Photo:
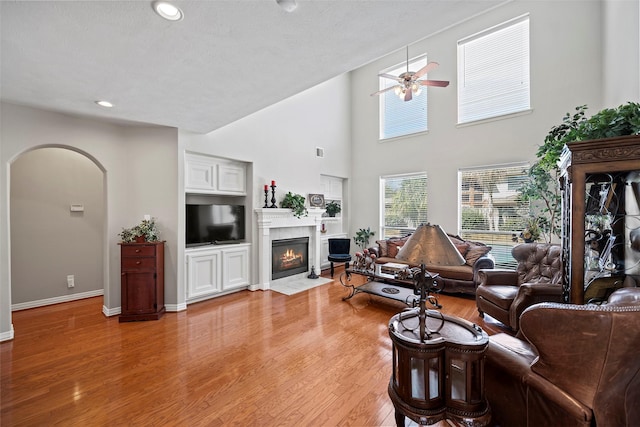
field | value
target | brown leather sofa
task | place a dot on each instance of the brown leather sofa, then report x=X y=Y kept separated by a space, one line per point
x=456 y=278
x=504 y=294
x=570 y=365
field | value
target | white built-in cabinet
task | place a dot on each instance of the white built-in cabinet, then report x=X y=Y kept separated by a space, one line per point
x=332 y=188
x=206 y=174
x=216 y=270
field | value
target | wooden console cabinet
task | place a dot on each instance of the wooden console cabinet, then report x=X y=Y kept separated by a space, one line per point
x=142 y=281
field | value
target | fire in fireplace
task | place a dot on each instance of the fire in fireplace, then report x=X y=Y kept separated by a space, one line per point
x=289 y=257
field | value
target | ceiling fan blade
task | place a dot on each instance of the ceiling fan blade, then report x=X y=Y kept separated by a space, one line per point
x=424 y=70
x=439 y=83
x=408 y=94
x=384 y=90
x=389 y=76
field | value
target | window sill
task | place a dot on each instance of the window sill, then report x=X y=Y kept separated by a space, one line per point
x=493 y=119
x=400 y=137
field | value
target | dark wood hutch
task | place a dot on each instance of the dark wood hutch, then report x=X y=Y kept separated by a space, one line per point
x=600 y=183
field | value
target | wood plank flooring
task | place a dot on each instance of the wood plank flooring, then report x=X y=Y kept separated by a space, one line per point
x=249 y=358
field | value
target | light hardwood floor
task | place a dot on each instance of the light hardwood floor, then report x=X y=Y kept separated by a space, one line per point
x=249 y=358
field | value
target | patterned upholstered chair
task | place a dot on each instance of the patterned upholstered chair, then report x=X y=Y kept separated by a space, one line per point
x=504 y=294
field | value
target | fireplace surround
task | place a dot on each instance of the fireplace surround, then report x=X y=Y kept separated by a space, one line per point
x=278 y=223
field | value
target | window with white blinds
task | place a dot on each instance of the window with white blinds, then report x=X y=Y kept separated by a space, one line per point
x=493 y=72
x=397 y=117
x=491 y=207
x=404 y=204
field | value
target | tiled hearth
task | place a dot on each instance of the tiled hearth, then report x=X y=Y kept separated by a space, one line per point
x=276 y=224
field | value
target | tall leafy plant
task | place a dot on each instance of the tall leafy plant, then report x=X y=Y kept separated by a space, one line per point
x=542 y=189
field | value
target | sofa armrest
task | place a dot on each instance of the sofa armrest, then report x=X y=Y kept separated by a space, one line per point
x=553 y=404
x=497 y=276
x=484 y=262
x=530 y=294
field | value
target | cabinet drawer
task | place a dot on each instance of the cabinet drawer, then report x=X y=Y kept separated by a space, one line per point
x=138 y=250
x=137 y=263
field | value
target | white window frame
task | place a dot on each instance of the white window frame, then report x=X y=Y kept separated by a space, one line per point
x=494 y=72
x=401 y=231
x=501 y=241
x=412 y=115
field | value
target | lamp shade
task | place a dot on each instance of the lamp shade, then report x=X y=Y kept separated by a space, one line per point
x=430 y=245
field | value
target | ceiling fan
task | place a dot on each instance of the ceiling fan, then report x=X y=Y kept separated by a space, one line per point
x=408 y=83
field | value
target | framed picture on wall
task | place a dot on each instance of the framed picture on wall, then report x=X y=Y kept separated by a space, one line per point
x=316 y=200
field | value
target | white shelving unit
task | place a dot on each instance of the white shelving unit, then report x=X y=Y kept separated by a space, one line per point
x=332 y=188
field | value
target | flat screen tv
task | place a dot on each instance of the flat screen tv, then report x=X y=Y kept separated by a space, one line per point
x=214 y=224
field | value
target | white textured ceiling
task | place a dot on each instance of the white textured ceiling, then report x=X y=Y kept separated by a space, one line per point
x=225 y=60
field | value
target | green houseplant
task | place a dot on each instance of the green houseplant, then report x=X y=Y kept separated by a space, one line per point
x=542 y=187
x=146 y=231
x=362 y=237
x=333 y=208
x=295 y=202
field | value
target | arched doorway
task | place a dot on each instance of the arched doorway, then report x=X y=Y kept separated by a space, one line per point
x=57 y=222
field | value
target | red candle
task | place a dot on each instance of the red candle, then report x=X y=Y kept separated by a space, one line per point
x=273 y=183
x=266 y=187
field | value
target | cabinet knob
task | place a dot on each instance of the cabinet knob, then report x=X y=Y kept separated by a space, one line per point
x=137 y=251
x=138 y=262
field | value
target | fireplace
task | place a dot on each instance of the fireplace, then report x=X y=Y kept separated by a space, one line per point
x=289 y=257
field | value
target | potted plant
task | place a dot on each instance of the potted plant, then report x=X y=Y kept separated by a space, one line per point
x=362 y=237
x=333 y=208
x=542 y=187
x=146 y=231
x=295 y=202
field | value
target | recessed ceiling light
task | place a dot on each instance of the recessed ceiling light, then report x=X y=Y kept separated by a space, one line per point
x=168 y=11
x=105 y=104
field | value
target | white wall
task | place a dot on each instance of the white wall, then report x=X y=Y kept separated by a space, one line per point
x=140 y=170
x=621 y=59
x=566 y=72
x=280 y=143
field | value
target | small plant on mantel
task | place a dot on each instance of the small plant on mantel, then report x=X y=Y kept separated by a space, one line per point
x=333 y=208
x=295 y=202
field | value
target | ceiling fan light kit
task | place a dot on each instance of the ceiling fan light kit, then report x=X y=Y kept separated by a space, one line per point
x=288 y=5
x=409 y=83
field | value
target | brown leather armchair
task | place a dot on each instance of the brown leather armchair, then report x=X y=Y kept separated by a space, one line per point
x=505 y=294
x=570 y=365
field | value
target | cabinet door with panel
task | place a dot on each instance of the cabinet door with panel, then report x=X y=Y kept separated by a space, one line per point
x=235 y=270
x=200 y=174
x=203 y=273
x=142 y=281
x=231 y=178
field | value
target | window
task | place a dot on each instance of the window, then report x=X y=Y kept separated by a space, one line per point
x=493 y=72
x=397 y=117
x=404 y=204
x=491 y=209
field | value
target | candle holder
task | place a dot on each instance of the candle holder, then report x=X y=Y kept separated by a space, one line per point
x=273 y=196
x=266 y=197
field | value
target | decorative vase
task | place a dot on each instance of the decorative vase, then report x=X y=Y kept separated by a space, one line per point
x=140 y=239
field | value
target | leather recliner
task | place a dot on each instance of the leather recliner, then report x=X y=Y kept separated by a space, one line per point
x=570 y=365
x=505 y=294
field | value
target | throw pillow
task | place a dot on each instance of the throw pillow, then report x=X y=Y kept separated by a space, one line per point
x=393 y=246
x=463 y=248
x=382 y=245
x=476 y=250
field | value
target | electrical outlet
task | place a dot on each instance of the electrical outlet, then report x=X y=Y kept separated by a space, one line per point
x=71 y=281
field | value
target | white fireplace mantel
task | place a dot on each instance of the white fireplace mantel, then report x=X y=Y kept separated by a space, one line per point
x=276 y=218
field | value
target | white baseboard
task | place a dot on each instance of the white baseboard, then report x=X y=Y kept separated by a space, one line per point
x=56 y=300
x=111 y=311
x=6 y=336
x=175 y=307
